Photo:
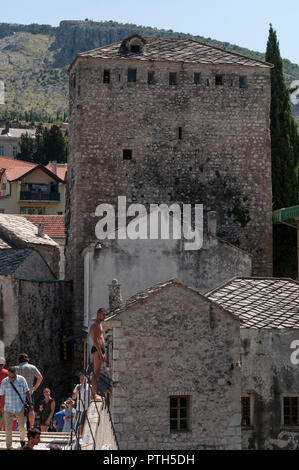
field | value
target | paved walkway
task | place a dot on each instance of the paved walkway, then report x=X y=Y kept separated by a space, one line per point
x=47 y=439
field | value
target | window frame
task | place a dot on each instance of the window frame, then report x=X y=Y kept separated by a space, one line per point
x=153 y=78
x=242 y=77
x=217 y=78
x=251 y=410
x=283 y=424
x=106 y=74
x=135 y=75
x=170 y=76
x=127 y=159
x=198 y=75
x=178 y=419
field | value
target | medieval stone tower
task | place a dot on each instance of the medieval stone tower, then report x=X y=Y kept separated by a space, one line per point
x=170 y=120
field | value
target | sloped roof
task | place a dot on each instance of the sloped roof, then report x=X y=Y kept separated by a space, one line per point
x=14 y=227
x=17 y=132
x=147 y=293
x=175 y=50
x=61 y=170
x=54 y=224
x=11 y=259
x=3 y=244
x=6 y=162
x=260 y=302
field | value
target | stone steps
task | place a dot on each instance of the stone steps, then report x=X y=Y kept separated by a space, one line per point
x=47 y=439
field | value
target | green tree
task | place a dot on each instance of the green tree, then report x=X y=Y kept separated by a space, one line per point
x=27 y=148
x=285 y=157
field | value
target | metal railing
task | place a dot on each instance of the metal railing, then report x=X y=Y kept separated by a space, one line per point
x=75 y=437
x=39 y=196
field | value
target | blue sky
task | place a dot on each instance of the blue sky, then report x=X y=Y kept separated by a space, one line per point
x=234 y=21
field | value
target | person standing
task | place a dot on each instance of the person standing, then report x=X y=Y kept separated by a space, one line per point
x=58 y=420
x=16 y=390
x=46 y=410
x=3 y=375
x=69 y=416
x=81 y=393
x=97 y=351
x=30 y=373
x=33 y=439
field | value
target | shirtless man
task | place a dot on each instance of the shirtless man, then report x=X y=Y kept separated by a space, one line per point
x=97 y=351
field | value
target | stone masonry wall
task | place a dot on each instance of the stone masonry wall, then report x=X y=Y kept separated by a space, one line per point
x=223 y=159
x=39 y=319
x=268 y=373
x=176 y=343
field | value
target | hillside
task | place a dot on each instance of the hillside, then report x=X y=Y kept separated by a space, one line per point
x=34 y=60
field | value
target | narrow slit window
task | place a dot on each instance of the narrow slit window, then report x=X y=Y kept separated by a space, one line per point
x=218 y=80
x=106 y=76
x=242 y=82
x=172 y=78
x=127 y=154
x=197 y=78
x=132 y=75
x=180 y=133
x=246 y=410
x=150 y=78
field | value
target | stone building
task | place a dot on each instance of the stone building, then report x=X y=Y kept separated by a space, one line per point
x=138 y=264
x=268 y=309
x=17 y=232
x=10 y=139
x=173 y=357
x=163 y=120
x=35 y=308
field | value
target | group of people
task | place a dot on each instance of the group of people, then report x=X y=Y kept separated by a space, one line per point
x=17 y=387
x=19 y=383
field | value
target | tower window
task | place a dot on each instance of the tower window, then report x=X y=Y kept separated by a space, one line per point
x=106 y=76
x=132 y=75
x=172 y=78
x=197 y=78
x=127 y=154
x=150 y=78
x=246 y=410
x=219 y=80
x=180 y=133
x=242 y=82
x=135 y=48
x=179 y=413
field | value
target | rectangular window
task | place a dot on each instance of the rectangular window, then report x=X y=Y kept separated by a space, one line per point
x=172 y=78
x=179 y=413
x=33 y=210
x=106 y=78
x=247 y=410
x=1 y=150
x=242 y=82
x=132 y=75
x=15 y=151
x=290 y=411
x=150 y=78
x=2 y=211
x=218 y=80
x=127 y=154
x=180 y=133
x=135 y=48
x=197 y=78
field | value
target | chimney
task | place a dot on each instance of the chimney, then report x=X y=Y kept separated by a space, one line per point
x=115 y=298
x=212 y=223
x=41 y=230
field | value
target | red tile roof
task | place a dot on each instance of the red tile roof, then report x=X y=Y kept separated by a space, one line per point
x=61 y=170
x=54 y=224
x=6 y=162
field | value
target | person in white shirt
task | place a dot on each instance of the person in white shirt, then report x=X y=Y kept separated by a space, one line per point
x=81 y=393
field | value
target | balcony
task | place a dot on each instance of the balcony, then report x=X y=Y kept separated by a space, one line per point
x=39 y=196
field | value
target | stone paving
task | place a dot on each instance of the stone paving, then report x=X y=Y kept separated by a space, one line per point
x=47 y=439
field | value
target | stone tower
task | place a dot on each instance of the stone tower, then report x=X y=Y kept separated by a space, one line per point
x=169 y=120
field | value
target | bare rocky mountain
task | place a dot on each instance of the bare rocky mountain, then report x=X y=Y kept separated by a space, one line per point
x=34 y=59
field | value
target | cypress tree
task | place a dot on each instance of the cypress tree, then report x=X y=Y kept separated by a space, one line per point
x=285 y=157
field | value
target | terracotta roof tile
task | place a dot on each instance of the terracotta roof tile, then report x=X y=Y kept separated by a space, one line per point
x=54 y=224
